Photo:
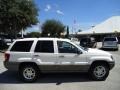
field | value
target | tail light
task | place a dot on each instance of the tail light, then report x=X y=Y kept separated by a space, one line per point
x=7 y=56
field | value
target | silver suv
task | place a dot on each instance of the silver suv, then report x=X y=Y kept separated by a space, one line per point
x=33 y=56
x=110 y=43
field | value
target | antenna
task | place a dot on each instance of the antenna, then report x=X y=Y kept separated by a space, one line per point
x=74 y=26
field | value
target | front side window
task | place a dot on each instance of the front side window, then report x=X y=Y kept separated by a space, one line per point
x=65 y=47
x=22 y=46
x=44 y=47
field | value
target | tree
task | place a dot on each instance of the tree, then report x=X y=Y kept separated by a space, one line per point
x=67 y=33
x=52 y=28
x=79 y=30
x=33 y=34
x=16 y=15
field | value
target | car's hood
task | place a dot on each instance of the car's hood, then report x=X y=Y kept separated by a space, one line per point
x=97 y=52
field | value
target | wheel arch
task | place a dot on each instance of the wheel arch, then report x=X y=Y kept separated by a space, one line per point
x=28 y=63
x=100 y=62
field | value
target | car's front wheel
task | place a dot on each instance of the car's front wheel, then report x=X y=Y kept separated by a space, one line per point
x=29 y=73
x=99 y=71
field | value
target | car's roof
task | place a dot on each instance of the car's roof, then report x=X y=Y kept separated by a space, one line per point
x=28 y=39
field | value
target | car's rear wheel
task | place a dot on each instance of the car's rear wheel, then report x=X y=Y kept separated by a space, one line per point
x=29 y=73
x=99 y=72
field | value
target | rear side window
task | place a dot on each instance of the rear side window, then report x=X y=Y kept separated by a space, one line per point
x=44 y=47
x=22 y=46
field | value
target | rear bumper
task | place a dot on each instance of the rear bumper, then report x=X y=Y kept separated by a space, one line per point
x=109 y=47
x=12 y=66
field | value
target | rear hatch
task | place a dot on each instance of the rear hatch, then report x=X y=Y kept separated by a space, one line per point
x=110 y=42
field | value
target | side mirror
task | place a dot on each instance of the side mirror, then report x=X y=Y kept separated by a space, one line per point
x=79 y=52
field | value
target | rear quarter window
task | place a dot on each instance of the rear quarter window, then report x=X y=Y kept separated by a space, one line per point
x=22 y=46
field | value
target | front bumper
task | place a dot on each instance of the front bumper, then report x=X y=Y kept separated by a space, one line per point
x=111 y=64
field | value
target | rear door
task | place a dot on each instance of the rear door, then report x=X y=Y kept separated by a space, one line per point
x=45 y=56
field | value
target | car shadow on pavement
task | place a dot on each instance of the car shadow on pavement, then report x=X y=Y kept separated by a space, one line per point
x=60 y=78
x=8 y=77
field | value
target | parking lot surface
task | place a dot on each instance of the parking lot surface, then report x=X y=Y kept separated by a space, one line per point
x=73 y=81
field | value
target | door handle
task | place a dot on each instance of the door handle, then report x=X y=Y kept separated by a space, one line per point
x=61 y=56
x=36 y=55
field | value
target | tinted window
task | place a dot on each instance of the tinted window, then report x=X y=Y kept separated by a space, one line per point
x=22 y=46
x=44 y=47
x=65 y=47
x=85 y=40
x=110 y=39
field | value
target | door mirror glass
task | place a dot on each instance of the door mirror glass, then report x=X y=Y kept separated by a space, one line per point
x=79 y=52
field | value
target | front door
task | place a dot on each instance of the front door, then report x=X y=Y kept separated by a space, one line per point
x=69 y=59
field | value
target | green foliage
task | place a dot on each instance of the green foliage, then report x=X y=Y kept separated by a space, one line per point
x=33 y=35
x=16 y=15
x=79 y=30
x=52 y=28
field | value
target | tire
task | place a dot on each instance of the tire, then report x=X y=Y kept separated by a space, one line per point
x=29 y=73
x=99 y=71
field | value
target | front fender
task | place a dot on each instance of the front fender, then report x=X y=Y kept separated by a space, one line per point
x=98 y=58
